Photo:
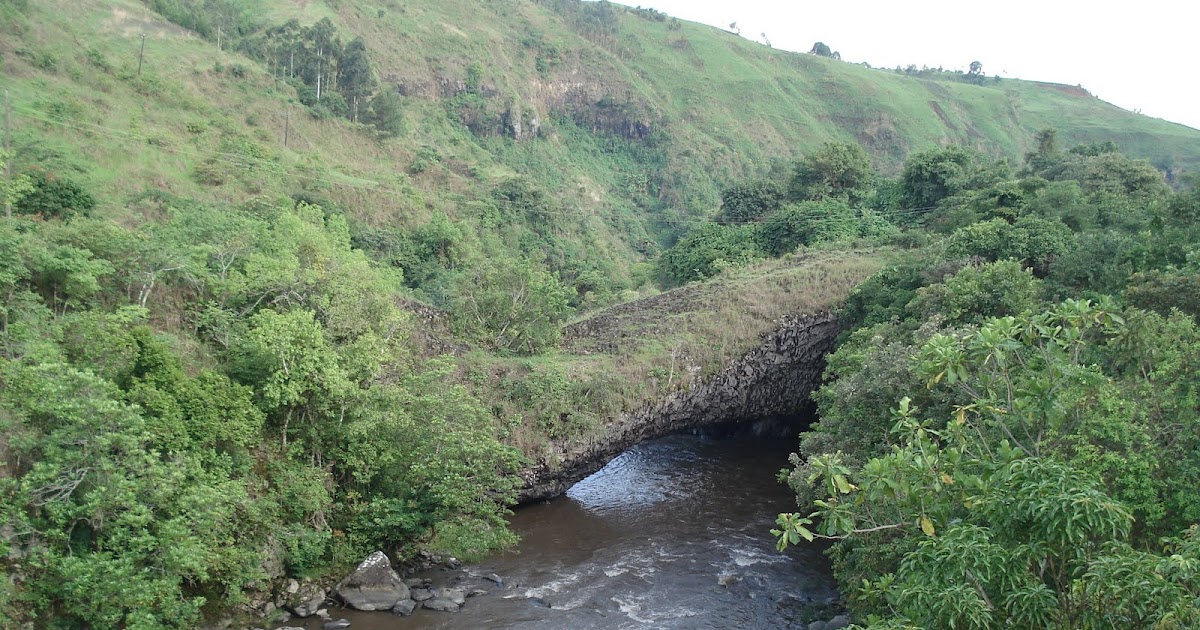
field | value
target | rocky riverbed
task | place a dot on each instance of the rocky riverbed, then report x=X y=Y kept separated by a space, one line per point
x=673 y=533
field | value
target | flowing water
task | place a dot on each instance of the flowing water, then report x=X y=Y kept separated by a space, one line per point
x=674 y=533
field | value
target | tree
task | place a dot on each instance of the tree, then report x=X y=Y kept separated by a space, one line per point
x=839 y=170
x=1047 y=155
x=932 y=175
x=386 y=113
x=750 y=201
x=807 y=223
x=355 y=80
x=975 y=73
x=1031 y=239
x=1018 y=509
x=821 y=49
x=516 y=305
x=13 y=191
x=706 y=251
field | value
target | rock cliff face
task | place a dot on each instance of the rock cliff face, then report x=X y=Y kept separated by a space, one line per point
x=774 y=379
x=593 y=103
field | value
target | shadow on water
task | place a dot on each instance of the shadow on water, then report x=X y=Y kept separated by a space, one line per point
x=673 y=533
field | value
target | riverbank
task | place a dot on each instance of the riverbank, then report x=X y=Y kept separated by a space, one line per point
x=673 y=533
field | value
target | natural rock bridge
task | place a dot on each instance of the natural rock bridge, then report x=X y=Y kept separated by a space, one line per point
x=742 y=347
x=776 y=378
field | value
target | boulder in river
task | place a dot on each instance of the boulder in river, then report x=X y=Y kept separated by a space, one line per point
x=305 y=600
x=421 y=594
x=374 y=585
x=441 y=604
x=404 y=607
x=456 y=595
x=340 y=624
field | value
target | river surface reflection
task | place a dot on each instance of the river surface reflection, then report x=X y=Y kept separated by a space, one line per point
x=674 y=533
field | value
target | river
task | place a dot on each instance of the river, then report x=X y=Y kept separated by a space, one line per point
x=674 y=533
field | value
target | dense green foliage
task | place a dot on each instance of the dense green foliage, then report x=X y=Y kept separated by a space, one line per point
x=837 y=171
x=707 y=251
x=206 y=390
x=52 y=196
x=989 y=456
x=185 y=401
x=827 y=202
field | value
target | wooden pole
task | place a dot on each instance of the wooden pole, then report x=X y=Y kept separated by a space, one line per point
x=7 y=157
x=287 y=123
x=141 y=52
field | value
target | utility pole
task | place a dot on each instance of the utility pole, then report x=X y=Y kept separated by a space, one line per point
x=218 y=38
x=141 y=52
x=7 y=158
x=287 y=124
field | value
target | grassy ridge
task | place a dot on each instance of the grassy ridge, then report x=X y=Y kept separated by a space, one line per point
x=632 y=354
x=718 y=107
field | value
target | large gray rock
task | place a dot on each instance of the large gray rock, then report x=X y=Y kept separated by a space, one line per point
x=421 y=594
x=373 y=585
x=272 y=555
x=456 y=595
x=443 y=605
x=306 y=599
x=404 y=608
x=838 y=622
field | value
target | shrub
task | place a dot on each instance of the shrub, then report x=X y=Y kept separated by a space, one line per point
x=54 y=197
x=706 y=251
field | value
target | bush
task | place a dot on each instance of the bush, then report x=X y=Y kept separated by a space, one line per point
x=1165 y=290
x=750 y=201
x=515 y=305
x=54 y=197
x=706 y=252
x=977 y=293
x=1034 y=240
x=808 y=223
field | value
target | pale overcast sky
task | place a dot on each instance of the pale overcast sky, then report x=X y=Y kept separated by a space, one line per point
x=1137 y=55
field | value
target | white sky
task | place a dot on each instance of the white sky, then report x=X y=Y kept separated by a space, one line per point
x=1137 y=55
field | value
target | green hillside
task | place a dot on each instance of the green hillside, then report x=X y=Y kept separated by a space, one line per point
x=632 y=120
x=288 y=282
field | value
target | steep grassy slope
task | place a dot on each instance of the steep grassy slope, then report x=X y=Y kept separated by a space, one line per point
x=633 y=121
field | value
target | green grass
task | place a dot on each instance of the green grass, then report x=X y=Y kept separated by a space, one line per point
x=722 y=108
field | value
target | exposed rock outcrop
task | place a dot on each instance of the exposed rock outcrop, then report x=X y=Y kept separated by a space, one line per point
x=373 y=585
x=774 y=379
x=303 y=600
